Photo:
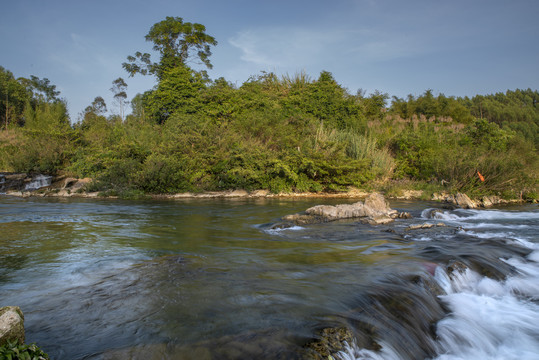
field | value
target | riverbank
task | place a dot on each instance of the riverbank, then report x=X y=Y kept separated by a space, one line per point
x=456 y=199
x=24 y=185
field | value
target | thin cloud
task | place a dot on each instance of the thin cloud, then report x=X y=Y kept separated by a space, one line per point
x=277 y=47
x=301 y=47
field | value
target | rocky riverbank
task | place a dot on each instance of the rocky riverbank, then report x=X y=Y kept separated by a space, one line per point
x=25 y=185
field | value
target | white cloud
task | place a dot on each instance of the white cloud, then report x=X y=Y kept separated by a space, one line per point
x=284 y=46
x=302 y=47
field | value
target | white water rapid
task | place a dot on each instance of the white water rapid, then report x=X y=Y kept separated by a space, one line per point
x=38 y=182
x=488 y=319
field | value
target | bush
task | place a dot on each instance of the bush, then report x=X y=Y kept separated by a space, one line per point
x=15 y=351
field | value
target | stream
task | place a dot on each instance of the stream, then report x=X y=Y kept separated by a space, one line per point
x=211 y=279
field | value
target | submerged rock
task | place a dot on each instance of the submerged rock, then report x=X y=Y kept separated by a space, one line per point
x=374 y=210
x=424 y=226
x=330 y=341
x=400 y=310
x=11 y=325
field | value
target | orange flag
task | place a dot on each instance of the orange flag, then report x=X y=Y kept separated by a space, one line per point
x=481 y=177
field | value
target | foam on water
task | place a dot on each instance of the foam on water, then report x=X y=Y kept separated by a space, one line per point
x=468 y=215
x=490 y=319
x=38 y=182
x=284 y=229
x=487 y=319
x=353 y=352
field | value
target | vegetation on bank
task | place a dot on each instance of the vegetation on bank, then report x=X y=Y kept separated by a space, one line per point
x=289 y=133
x=15 y=351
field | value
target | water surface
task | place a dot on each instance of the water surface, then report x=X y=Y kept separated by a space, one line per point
x=105 y=279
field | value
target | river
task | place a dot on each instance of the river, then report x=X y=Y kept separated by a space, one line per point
x=211 y=279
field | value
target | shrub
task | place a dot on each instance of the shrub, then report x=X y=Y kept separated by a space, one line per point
x=15 y=351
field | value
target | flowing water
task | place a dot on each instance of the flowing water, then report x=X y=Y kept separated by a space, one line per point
x=38 y=182
x=211 y=279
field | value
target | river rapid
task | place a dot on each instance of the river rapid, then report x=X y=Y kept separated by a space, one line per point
x=212 y=279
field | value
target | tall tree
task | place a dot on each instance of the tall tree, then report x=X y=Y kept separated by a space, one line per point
x=13 y=97
x=119 y=88
x=41 y=90
x=178 y=43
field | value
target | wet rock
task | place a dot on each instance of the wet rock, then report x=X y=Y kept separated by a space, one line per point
x=427 y=282
x=330 y=341
x=11 y=325
x=432 y=213
x=281 y=225
x=378 y=220
x=13 y=181
x=374 y=210
x=456 y=267
x=404 y=215
x=459 y=199
x=424 y=226
x=487 y=201
x=464 y=201
x=303 y=219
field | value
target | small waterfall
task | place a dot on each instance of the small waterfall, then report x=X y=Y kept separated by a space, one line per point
x=2 y=183
x=38 y=182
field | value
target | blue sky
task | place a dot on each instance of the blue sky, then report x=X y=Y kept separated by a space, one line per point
x=400 y=47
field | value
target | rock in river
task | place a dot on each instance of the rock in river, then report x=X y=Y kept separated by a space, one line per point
x=374 y=210
x=11 y=325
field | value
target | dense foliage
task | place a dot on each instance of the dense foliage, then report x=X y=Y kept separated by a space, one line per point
x=290 y=133
x=15 y=351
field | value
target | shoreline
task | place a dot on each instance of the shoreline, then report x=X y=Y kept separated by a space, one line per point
x=25 y=185
x=457 y=199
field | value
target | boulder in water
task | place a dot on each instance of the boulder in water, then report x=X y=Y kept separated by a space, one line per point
x=374 y=210
x=464 y=201
x=487 y=201
x=11 y=325
x=330 y=341
x=424 y=226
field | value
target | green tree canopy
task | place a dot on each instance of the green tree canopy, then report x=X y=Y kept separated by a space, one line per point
x=119 y=88
x=13 y=97
x=178 y=44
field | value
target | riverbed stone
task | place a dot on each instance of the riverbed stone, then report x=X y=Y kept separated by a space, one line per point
x=374 y=210
x=11 y=325
x=424 y=226
x=329 y=341
x=464 y=201
x=487 y=201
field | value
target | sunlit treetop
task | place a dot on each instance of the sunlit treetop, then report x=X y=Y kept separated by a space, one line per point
x=179 y=43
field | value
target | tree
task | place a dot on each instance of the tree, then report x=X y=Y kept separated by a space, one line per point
x=13 y=98
x=41 y=90
x=178 y=91
x=175 y=40
x=119 y=88
x=99 y=105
